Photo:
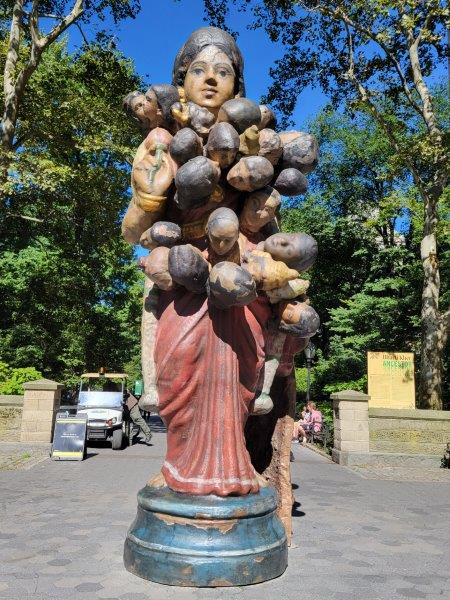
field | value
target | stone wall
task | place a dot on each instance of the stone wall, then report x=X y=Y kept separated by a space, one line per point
x=10 y=418
x=408 y=431
x=351 y=427
x=40 y=403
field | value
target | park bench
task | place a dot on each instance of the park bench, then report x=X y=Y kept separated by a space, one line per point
x=323 y=436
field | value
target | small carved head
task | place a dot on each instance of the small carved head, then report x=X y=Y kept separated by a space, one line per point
x=222 y=230
x=259 y=209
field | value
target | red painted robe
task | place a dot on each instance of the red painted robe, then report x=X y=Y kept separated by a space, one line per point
x=207 y=366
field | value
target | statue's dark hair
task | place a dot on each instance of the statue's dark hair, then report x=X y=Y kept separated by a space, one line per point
x=201 y=38
x=166 y=96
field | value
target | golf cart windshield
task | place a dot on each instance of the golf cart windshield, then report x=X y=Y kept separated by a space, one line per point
x=100 y=399
x=101 y=391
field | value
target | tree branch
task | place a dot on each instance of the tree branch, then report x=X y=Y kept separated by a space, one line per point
x=365 y=97
x=75 y=13
x=12 y=54
x=25 y=217
x=339 y=15
x=39 y=44
x=86 y=41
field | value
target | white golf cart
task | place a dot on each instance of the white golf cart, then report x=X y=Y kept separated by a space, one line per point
x=101 y=399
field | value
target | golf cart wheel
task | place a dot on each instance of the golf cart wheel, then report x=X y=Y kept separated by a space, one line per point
x=117 y=439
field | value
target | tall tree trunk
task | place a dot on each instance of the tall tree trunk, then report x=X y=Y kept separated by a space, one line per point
x=9 y=73
x=434 y=333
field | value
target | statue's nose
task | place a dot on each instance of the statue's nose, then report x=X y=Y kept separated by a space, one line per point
x=211 y=77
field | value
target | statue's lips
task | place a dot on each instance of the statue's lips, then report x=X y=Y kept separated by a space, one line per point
x=209 y=93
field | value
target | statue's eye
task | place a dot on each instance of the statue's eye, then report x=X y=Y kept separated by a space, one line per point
x=197 y=71
x=223 y=73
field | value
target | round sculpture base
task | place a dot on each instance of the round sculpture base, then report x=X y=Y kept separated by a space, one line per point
x=206 y=541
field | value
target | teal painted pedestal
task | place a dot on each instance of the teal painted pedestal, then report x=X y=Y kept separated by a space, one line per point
x=206 y=541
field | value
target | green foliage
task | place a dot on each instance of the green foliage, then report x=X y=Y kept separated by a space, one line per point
x=71 y=294
x=326 y=408
x=366 y=282
x=301 y=379
x=374 y=60
x=12 y=380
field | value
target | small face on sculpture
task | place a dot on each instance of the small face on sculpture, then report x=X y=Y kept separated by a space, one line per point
x=210 y=79
x=151 y=110
x=259 y=209
x=298 y=318
x=156 y=267
x=222 y=230
x=291 y=312
x=283 y=246
x=144 y=109
x=298 y=250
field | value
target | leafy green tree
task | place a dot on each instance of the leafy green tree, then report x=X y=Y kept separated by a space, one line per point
x=365 y=284
x=375 y=56
x=12 y=380
x=70 y=289
x=23 y=25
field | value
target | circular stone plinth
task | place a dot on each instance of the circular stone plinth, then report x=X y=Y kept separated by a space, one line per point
x=206 y=541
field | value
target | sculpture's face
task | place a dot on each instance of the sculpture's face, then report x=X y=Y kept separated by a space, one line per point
x=156 y=267
x=222 y=234
x=138 y=106
x=259 y=209
x=209 y=81
x=151 y=109
x=291 y=312
x=283 y=246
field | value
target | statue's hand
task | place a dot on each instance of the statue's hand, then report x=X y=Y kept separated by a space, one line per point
x=155 y=172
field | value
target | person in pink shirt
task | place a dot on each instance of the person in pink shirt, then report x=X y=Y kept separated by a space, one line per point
x=312 y=420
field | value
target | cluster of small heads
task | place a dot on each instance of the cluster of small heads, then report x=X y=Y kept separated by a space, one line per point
x=239 y=149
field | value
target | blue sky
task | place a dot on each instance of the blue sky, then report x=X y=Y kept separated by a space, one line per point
x=154 y=37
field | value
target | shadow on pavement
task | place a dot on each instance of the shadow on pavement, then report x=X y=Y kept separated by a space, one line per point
x=295 y=510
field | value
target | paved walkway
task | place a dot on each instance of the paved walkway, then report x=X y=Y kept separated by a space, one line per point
x=63 y=524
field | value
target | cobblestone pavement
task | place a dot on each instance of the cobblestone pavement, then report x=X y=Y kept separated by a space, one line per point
x=15 y=456
x=63 y=525
x=381 y=471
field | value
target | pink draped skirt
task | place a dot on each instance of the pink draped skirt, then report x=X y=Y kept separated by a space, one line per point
x=207 y=366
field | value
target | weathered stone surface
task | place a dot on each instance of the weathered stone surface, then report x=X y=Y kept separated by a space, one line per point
x=186 y=144
x=298 y=318
x=241 y=113
x=408 y=431
x=268 y=118
x=270 y=145
x=223 y=144
x=41 y=399
x=195 y=182
x=10 y=423
x=291 y=182
x=188 y=267
x=301 y=152
x=298 y=250
x=161 y=233
x=250 y=173
x=230 y=285
x=43 y=384
x=156 y=267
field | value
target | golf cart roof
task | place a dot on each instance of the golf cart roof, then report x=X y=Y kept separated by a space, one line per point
x=102 y=375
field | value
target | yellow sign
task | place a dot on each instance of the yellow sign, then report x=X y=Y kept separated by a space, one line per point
x=391 y=379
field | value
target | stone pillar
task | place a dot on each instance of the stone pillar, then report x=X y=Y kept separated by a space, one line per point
x=351 y=427
x=40 y=402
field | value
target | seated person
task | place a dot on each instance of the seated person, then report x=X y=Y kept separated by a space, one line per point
x=311 y=421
